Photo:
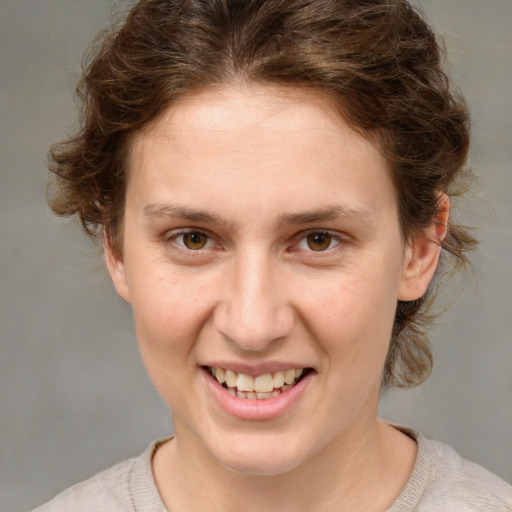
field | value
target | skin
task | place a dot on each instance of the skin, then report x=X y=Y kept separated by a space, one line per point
x=253 y=160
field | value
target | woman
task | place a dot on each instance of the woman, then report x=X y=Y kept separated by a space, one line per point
x=271 y=181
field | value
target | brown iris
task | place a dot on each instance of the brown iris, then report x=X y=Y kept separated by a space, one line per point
x=195 y=240
x=319 y=241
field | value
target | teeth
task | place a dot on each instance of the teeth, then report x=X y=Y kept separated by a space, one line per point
x=289 y=376
x=260 y=387
x=263 y=383
x=231 y=378
x=278 y=379
x=245 y=382
x=220 y=375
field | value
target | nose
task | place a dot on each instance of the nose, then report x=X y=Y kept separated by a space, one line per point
x=254 y=311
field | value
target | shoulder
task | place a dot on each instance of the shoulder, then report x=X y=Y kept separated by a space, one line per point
x=120 y=488
x=443 y=481
x=108 y=490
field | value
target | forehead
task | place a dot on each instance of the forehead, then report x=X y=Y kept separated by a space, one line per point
x=275 y=146
x=242 y=111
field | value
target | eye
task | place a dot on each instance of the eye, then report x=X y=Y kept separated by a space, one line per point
x=318 y=241
x=191 y=240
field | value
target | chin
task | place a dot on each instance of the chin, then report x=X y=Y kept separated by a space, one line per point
x=254 y=458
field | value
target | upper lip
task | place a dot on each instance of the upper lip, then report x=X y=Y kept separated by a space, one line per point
x=255 y=368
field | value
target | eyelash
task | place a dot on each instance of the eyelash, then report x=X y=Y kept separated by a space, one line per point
x=336 y=241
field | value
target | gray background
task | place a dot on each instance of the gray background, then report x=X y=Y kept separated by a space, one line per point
x=74 y=397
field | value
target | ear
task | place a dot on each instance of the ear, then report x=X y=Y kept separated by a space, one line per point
x=116 y=269
x=422 y=255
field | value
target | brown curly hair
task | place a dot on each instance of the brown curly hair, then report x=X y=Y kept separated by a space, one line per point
x=378 y=60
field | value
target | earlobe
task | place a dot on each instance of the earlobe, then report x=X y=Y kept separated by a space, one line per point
x=117 y=271
x=422 y=255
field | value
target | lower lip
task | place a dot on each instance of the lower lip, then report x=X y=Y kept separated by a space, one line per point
x=254 y=410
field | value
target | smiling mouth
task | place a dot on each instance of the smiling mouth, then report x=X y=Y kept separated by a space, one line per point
x=261 y=387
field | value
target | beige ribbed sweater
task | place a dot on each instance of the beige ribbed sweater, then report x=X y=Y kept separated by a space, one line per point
x=441 y=481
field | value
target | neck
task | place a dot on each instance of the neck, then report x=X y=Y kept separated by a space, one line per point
x=364 y=468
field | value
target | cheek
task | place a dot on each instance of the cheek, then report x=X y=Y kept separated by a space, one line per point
x=169 y=312
x=348 y=302
x=351 y=317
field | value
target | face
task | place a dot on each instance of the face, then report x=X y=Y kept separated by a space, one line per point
x=263 y=258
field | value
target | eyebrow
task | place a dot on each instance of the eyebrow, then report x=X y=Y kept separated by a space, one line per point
x=306 y=217
x=326 y=214
x=182 y=212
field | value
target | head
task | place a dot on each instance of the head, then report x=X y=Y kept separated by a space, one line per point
x=376 y=64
